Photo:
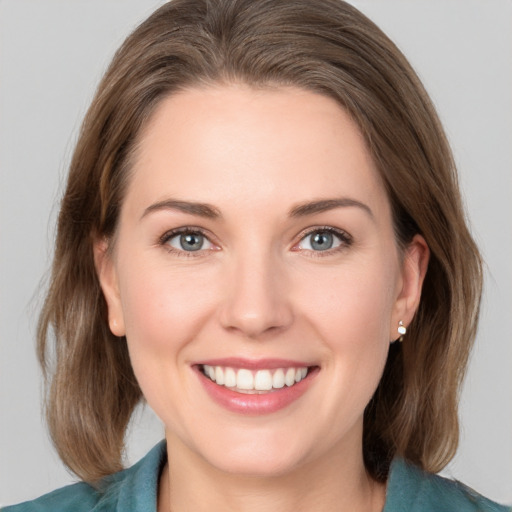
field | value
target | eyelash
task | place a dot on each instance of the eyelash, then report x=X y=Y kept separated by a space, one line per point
x=345 y=239
x=181 y=231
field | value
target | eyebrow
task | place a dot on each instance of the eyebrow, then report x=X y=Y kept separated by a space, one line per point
x=301 y=210
x=312 y=207
x=200 y=209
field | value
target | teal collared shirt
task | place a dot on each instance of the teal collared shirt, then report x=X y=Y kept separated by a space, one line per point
x=135 y=490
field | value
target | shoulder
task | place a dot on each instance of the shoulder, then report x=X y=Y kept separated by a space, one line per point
x=413 y=490
x=79 y=497
x=133 y=489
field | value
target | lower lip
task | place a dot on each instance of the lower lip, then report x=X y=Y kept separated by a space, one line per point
x=265 y=403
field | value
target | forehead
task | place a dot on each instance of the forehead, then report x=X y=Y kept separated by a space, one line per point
x=239 y=145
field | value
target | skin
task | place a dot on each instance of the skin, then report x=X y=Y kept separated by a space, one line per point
x=259 y=289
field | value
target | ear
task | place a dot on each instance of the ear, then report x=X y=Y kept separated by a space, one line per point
x=414 y=269
x=107 y=275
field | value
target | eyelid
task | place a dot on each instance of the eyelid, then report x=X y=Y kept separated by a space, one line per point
x=345 y=240
x=344 y=237
x=171 y=233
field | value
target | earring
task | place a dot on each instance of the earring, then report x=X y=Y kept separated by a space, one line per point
x=402 y=330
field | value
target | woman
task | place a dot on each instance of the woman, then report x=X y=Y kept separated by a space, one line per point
x=262 y=235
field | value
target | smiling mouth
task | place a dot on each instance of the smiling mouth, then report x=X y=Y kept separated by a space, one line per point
x=247 y=381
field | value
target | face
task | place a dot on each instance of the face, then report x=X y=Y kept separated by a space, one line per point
x=256 y=277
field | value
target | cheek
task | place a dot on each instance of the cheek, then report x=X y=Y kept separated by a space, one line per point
x=159 y=299
x=163 y=311
x=352 y=305
x=351 y=311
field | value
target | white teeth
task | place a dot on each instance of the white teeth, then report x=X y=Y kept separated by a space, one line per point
x=263 y=380
x=230 y=378
x=244 y=379
x=289 y=378
x=259 y=380
x=219 y=375
x=278 y=379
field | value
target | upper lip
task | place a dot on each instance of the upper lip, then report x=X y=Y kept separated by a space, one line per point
x=254 y=364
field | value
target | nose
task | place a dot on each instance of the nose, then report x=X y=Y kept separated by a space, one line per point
x=256 y=301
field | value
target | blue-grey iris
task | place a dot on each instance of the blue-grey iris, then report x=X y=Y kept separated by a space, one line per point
x=191 y=241
x=322 y=241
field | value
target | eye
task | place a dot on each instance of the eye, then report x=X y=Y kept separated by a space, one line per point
x=186 y=240
x=324 y=239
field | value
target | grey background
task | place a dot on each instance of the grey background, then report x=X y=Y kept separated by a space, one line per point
x=52 y=54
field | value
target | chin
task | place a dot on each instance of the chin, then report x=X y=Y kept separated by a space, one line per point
x=259 y=457
x=271 y=466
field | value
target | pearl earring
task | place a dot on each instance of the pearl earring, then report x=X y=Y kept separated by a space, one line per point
x=402 y=330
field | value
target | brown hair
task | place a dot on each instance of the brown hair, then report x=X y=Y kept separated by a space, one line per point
x=325 y=46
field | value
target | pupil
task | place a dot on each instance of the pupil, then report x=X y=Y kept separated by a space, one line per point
x=191 y=242
x=322 y=241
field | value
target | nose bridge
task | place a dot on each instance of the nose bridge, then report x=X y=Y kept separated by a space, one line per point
x=256 y=299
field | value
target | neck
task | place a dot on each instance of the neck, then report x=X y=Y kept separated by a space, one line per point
x=337 y=483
